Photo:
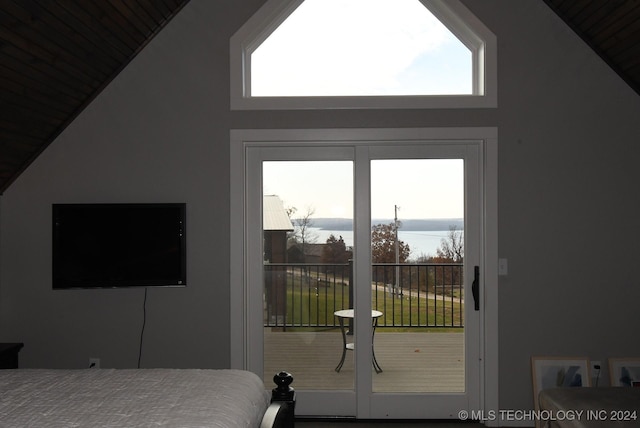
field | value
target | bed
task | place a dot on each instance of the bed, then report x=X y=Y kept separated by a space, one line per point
x=134 y=398
x=602 y=407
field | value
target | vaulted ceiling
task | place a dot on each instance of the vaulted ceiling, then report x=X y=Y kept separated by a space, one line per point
x=611 y=28
x=56 y=57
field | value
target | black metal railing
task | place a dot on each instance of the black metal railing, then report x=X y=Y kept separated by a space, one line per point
x=408 y=295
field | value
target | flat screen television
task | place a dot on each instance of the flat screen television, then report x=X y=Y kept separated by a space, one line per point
x=119 y=245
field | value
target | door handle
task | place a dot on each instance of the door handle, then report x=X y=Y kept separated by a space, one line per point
x=475 y=287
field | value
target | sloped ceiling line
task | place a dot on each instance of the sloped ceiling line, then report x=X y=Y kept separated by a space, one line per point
x=611 y=28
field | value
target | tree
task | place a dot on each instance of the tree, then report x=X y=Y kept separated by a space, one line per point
x=336 y=255
x=291 y=236
x=383 y=245
x=452 y=248
x=383 y=250
x=302 y=226
x=451 y=251
x=335 y=251
x=302 y=233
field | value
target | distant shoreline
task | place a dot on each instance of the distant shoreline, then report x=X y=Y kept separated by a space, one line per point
x=406 y=225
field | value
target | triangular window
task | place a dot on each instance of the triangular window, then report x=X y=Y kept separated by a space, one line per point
x=363 y=54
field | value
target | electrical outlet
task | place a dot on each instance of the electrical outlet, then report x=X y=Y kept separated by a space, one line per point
x=503 y=267
x=94 y=363
x=596 y=366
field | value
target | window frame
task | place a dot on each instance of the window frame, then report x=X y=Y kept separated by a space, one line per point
x=452 y=13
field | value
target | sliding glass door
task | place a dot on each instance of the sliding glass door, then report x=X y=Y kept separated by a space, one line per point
x=361 y=272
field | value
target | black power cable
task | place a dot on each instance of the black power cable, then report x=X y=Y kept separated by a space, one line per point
x=144 y=322
x=597 y=367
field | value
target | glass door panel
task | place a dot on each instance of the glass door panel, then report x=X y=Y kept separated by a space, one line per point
x=308 y=247
x=417 y=247
x=318 y=218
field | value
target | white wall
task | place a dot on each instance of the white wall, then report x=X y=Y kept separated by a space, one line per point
x=569 y=131
x=158 y=133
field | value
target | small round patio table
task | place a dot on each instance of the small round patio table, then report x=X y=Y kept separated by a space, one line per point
x=350 y=346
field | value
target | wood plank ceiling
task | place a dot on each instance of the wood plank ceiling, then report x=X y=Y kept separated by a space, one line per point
x=611 y=28
x=57 y=55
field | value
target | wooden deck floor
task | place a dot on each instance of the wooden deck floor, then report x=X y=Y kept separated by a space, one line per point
x=411 y=362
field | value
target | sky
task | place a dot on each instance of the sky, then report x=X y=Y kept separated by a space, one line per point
x=422 y=188
x=361 y=47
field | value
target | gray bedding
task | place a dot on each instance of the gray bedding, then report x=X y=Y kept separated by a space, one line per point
x=131 y=398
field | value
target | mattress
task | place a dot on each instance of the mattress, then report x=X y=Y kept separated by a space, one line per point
x=131 y=398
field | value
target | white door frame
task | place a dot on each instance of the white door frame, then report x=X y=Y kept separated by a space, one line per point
x=242 y=356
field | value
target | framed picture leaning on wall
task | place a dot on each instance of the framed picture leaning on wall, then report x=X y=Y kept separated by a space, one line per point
x=624 y=371
x=558 y=372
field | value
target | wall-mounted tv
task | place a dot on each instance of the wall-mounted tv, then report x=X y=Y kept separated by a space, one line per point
x=119 y=245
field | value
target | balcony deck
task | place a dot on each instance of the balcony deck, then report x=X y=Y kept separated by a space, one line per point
x=411 y=362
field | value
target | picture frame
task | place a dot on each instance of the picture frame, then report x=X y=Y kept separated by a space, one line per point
x=558 y=372
x=624 y=372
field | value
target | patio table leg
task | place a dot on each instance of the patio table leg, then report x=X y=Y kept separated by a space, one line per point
x=350 y=346
x=376 y=366
x=344 y=344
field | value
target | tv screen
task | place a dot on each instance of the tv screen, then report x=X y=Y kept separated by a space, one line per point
x=118 y=245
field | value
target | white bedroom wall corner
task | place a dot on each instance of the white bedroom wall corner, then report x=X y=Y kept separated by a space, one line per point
x=236 y=248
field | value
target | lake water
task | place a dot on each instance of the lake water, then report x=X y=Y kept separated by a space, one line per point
x=420 y=241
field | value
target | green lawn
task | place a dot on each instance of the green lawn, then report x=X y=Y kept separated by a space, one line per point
x=311 y=306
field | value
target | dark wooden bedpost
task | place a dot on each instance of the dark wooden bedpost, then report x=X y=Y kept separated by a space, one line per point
x=284 y=395
x=283 y=390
